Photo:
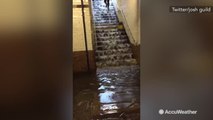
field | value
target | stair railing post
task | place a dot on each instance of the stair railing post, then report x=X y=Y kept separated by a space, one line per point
x=85 y=34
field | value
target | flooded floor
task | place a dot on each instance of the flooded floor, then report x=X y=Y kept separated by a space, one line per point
x=113 y=91
x=119 y=92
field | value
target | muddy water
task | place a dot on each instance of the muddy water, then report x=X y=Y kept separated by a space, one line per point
x=119 y=91
x=110 y=93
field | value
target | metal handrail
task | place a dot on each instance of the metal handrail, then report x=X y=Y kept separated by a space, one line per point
x=85 y=34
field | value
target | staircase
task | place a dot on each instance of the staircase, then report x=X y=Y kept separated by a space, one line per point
x=112 y=44
x=118 y=74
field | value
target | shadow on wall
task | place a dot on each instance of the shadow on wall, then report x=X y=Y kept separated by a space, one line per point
x=80 y=61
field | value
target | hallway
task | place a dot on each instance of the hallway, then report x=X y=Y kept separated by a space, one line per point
x=113 y=91
x=117 y=73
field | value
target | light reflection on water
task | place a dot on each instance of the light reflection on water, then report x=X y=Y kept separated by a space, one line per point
x=109 y=107
x=107 y=97
x=118 y=87
x=102 y=88
x=106 y=87
x=105 y=79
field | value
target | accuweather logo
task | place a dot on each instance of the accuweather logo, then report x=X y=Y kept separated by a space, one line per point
x=177 y=112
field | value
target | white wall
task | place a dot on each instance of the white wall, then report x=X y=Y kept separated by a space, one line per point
x=129 y=10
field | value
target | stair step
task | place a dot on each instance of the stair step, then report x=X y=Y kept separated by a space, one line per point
x=116 y=63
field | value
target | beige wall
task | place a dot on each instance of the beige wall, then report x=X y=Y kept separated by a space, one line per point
x=79 y=54
x=129 y=14
x=78 y=30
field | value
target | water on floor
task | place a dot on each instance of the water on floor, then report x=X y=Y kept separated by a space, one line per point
x=119 y=91
x=113 y=92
